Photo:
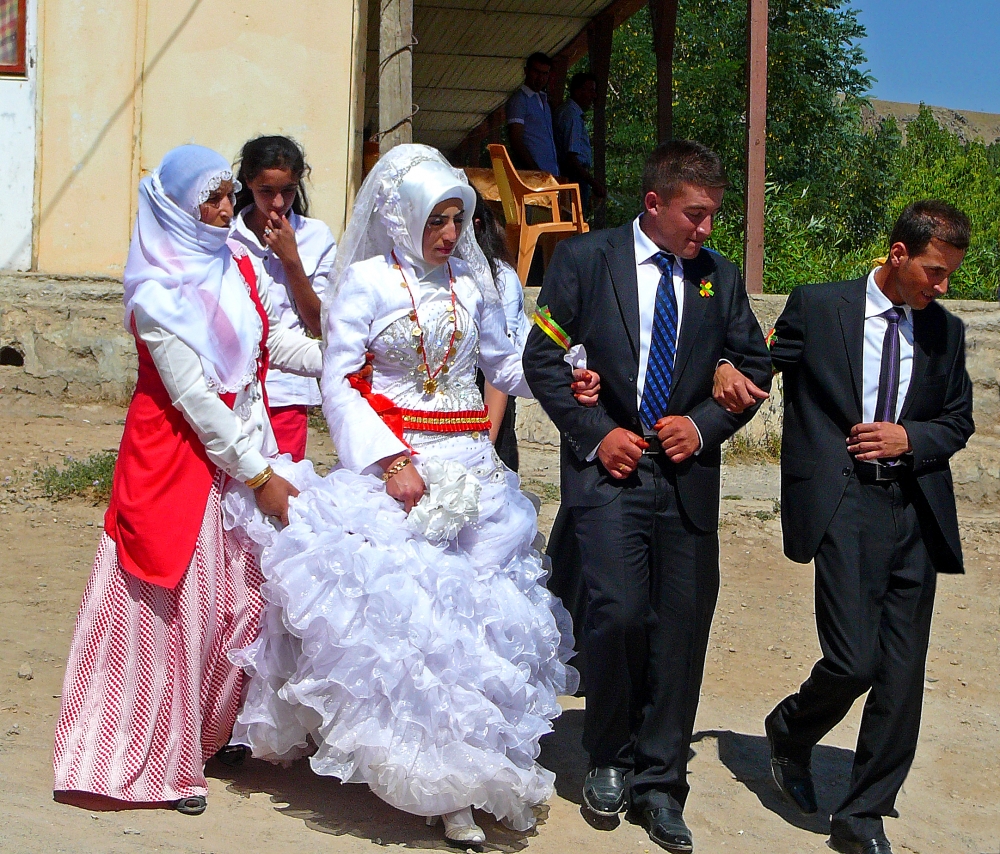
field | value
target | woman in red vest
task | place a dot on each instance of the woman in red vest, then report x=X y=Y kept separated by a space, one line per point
x=149 y=693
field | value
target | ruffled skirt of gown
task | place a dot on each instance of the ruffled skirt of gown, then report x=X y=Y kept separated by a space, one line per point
x=429 y=672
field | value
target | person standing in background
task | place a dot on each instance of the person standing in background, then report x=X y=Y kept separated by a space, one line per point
x=576 y=159
x=294 y=255
x=503 y=411
x=529 y=119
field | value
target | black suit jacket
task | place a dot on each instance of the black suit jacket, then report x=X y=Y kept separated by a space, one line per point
x=591 y=290
x=819 y=347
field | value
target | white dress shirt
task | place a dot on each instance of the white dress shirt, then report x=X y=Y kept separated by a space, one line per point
x=647 y=275
x=317 y=251
x=238 y=445
x=876 y=303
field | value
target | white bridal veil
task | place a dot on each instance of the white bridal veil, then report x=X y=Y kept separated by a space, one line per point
x=392 y=207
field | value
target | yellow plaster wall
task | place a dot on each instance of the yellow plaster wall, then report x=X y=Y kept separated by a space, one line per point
x=215 y=72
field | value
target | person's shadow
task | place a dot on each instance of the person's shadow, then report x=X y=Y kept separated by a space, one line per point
x=326 y=805
x=748 y=757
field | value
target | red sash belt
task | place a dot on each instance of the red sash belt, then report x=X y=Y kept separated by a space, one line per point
x=163 y=475
x=398 y=419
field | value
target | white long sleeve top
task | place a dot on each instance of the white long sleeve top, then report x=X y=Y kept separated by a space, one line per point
x=371 y=313
x=239 y=441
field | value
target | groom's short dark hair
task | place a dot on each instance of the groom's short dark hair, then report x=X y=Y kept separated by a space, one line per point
x=682 y=161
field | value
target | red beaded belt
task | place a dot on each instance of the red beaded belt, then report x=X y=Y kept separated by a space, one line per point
x=460 y=421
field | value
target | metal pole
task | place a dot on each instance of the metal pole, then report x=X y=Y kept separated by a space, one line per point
x=753 y=247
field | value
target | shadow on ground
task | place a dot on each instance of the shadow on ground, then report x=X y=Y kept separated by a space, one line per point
x=328 y=806
x=748 y=757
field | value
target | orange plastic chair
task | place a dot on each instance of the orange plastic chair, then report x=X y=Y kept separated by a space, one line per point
x=516 y=196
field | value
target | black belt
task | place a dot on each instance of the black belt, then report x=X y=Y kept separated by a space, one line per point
x=877 y=471
x=655 y=449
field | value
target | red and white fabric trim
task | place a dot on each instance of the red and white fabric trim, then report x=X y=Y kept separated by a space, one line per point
x=149 y=694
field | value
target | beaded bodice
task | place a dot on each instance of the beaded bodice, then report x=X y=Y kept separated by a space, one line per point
x=398 y=367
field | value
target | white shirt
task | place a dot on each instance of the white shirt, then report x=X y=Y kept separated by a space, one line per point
x=876 y=303
x=518 y=323
x=317 y=250
x=648 y=277
x=238 y=446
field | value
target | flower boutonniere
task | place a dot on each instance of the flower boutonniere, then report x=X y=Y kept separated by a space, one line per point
x=705 y=289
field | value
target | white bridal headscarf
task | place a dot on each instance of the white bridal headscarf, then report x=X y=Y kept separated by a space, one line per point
x=182 y=274
x=392 y=208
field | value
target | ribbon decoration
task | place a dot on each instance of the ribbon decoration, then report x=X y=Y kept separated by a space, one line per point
x=543 y=320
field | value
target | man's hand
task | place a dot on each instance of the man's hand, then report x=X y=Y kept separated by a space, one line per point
x=882 y=440
x=733 y=390
x=272 y=497
x=587 y=386
x=406 y=485
x=620 y=452
x=678 y=436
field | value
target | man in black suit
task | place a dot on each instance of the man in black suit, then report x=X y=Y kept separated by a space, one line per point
x=656 y=312
x=876 y=401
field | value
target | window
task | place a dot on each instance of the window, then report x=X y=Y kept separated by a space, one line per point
x=12 y=36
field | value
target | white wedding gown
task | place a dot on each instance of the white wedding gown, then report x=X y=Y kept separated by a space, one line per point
x=428 y=670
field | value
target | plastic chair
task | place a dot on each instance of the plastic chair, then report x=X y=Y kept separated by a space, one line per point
x=516 y=197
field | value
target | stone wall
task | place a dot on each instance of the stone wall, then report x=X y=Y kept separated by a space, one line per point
x=69 y=334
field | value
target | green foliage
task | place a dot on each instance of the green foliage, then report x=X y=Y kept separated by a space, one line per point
x=836 y=183
x=89 y=478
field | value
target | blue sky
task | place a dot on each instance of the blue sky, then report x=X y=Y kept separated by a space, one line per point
x=941 y=52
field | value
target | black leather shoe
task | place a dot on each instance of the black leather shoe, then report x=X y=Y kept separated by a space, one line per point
x=604 y=791
x=792 y=777
x=851 y=846
x=667 y=829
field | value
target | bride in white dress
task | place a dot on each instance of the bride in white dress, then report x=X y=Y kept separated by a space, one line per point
x=415 y=650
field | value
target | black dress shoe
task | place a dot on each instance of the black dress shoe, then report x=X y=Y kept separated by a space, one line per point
x=604 y=791
x=851 y=846
x=667 y=829
x=792 y=777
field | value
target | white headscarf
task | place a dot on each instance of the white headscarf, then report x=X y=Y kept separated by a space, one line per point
x=182 y=274
x=392 y=208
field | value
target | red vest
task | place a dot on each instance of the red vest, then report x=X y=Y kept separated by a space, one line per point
x=163 y=475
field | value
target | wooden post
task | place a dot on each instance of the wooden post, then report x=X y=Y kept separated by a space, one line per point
x=600 y=35
x=395 y=74
x=556 y=90
x=664 y=15
x=753 y=248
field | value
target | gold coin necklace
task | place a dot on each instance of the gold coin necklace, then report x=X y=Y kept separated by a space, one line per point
x=430 y=377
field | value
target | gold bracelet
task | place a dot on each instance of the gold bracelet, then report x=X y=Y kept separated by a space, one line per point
x=257 y=481
x=395 y=468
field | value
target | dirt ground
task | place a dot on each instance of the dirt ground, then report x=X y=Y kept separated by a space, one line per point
x=763 y=644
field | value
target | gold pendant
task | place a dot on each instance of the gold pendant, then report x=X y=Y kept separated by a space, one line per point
x=430 y=385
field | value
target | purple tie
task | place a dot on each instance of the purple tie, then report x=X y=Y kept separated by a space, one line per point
x=888 y=378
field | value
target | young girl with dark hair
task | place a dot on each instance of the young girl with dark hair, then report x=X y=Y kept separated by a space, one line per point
x=493 y=242
x=295 y=253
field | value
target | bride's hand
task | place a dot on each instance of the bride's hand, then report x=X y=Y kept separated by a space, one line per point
x=586 y=387
x=406 y=485
x=272 y=497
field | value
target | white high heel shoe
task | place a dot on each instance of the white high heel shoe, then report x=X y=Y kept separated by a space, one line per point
x=460 y=827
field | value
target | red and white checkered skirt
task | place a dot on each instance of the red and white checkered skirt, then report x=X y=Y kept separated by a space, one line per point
x=149 y=694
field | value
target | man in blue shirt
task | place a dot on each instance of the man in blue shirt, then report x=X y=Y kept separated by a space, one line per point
x=529 y=119
x=572 y=140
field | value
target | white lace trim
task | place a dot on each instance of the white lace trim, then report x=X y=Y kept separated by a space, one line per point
x=213 y=184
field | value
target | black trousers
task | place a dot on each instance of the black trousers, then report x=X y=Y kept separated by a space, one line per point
x=875 y=586
x=652 y=583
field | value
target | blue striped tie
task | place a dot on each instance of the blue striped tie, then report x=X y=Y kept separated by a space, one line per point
x=662 y=346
